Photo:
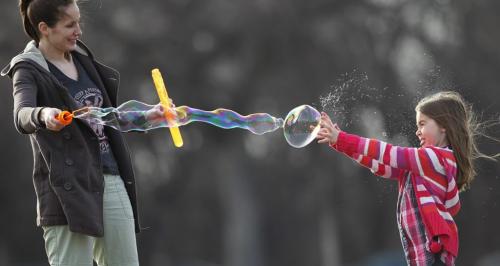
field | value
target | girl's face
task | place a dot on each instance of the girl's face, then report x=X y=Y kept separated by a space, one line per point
x=66 y=31
x=429 y=132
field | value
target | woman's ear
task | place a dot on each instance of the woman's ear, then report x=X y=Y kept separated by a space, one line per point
x=43 y=28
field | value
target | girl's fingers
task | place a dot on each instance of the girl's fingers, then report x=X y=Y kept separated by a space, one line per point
x=323 y=131
x=323 y=141
x=326 y=127
x=328 y=121
x=322 y=136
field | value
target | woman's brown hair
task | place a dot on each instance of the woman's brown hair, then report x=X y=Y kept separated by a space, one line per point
x=35 y=11
x=451 y=112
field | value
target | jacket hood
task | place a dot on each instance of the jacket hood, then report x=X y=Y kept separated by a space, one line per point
x=32 y=54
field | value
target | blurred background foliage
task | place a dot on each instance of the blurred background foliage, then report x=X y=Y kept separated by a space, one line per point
x=232 y=198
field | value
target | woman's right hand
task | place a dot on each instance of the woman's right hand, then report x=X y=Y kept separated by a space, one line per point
x=48 y=116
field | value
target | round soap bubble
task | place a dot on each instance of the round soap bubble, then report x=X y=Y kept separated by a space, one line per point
x=301 y=126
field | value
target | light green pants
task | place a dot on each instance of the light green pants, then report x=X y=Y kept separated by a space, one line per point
x=118 y=246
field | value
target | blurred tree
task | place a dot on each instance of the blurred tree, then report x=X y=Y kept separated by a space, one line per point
x=232 y=198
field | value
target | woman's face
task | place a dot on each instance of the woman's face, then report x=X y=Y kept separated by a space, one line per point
x=64 y=34
x=429 y=132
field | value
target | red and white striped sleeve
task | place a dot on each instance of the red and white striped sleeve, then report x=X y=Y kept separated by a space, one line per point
x=436 y=166
x=375 y=166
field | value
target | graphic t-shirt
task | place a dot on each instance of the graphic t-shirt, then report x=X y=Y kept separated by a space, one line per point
x=86 y=93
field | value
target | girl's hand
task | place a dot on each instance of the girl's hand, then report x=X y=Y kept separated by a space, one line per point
x=48 y=116
x=329 y=132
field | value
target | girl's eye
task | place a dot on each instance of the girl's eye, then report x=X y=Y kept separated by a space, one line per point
x=71 y=25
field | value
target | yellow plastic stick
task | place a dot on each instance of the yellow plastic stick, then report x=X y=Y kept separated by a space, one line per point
x=161 y=89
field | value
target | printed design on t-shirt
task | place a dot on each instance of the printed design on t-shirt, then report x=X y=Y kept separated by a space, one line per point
x=92 y=97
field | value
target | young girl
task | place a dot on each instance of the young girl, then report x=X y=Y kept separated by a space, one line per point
x=430 y=177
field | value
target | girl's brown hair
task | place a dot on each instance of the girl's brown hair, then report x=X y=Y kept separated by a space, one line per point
x=35 y=11
x=452 y=113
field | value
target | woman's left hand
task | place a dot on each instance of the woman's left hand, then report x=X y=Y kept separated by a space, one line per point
x=158 y=112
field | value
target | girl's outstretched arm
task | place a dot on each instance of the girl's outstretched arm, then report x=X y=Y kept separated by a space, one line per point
x=375 y=166
x=326 y=135
x=426 y=162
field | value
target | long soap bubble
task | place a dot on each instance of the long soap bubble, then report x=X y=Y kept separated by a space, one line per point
x=300 y=125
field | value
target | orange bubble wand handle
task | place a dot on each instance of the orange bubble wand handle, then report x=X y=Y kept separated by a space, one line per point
x=161 y=89
x=65 y=117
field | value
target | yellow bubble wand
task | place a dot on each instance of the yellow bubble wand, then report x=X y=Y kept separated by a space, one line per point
x=161 y=89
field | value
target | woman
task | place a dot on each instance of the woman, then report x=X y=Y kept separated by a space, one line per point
x=83 y=176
